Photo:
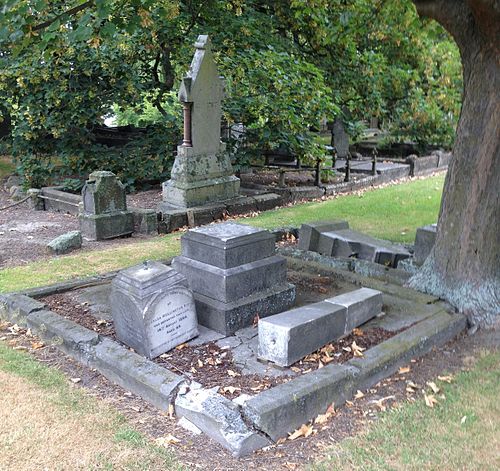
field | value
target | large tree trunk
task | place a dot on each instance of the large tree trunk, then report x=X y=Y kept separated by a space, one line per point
x=464 y=265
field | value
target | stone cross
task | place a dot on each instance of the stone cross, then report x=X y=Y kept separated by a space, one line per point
x=201 y=94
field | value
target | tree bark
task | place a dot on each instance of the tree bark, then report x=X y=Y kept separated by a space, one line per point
x=464 y=265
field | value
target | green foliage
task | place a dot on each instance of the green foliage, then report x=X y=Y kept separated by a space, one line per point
x=288 y=64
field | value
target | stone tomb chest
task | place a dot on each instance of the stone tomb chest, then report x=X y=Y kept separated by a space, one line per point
x=153 y=309
x=235 y=275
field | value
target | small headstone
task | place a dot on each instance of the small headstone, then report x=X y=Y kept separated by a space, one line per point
x=424 y=241
x=65 y=243
x=340 y=138
x=104 y=214
x=153 y=309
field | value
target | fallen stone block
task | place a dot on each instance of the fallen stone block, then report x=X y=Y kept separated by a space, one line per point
x=361 y=305
x=220 y=419
x=65 y=243
x=291 y=335
x=309 y=233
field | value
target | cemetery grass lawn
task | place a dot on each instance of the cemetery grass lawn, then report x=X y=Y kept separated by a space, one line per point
x=461 y=432
x=48 y=423
x=393 y=212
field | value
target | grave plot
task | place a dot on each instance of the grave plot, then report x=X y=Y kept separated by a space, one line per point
x=251 y=386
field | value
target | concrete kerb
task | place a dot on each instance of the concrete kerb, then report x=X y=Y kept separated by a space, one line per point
x=267 y=416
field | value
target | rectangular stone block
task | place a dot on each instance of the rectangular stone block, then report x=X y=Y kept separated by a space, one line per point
x=171 y=218
x=362 y=305
x=309 y=233
x=267 y=201
x=241 y=205
x=106 y=226
x=424 y=241
x=231 y=284
x=284 y=408
x=227 y=318
x=145 y=220
x=227 y=245
x=288 y=337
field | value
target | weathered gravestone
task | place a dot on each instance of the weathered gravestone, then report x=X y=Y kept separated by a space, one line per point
x=153 y=309
x=202 y=171
x=105 y=214
x=424 y=241
x=234 y=274
x=340 y=138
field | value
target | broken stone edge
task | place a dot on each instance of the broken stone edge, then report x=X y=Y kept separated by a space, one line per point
x=260 y=420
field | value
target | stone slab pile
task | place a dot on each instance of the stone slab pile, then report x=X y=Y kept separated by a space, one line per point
x=289 y=336
x=235 y=275
x=344 y=242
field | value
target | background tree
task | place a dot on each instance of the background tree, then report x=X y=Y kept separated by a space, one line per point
x=464 y=265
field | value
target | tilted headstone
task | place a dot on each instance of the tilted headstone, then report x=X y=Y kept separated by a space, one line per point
x=340 y=138
x=424 y=241
x=202 y=171
x=234 y=274
x=105 y=214
x=153 y=309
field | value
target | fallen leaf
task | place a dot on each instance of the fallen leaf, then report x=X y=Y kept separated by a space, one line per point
x=181 y=346
x=359 y=394
x=411 y=384
x=357 y=350
x=231 y=389
x=255 y=321
x=304 y=431
x=347 y=349
x=233 y=373
x=200 y=364
x=77 y=380
x=20 y=347
x=463 y=419
x=136 y=409
x=349 y=403
x=102 y=322
x=193 y=370
x=430 y=400
x=37 y=345
x=295 y=369
x=320 y=365
x=171 y=411
x=403 y=370
x=446 y=379
x=357 y=332
x=167 y=440
x=433 y=386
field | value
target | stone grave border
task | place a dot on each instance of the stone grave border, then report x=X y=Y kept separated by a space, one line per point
x=265 y=197
x=262 y=419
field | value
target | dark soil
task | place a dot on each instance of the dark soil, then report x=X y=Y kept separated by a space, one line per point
x=270 y=177
x=198 y=452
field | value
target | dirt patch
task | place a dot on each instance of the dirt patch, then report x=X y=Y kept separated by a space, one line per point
x=292 y=179
x=197 y=452
x=25 y=233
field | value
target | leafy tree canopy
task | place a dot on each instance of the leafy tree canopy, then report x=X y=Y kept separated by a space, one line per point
x=64 y=65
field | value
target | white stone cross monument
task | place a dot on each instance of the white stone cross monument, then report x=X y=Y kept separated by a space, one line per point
x=202 y=171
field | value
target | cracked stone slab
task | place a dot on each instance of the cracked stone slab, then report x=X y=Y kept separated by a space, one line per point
x=220 y=419
x=17 y=307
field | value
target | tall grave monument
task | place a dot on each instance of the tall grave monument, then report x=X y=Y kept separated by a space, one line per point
x=202 y=171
